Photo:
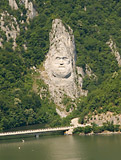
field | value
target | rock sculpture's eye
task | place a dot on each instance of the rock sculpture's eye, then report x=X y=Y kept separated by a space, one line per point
x=58 y=58
x=65 y=58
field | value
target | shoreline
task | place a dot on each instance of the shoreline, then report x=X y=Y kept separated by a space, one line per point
x=103 y=133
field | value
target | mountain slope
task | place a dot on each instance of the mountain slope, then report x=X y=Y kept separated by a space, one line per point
x=94 y=23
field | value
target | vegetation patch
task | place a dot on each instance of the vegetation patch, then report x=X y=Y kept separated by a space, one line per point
x=95 y=129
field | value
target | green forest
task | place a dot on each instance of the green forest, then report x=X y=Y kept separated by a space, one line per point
x=94 y=22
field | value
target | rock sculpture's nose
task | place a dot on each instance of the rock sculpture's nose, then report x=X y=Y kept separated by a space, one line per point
x=61 y=61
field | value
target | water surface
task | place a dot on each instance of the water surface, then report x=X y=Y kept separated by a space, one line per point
x=62 y=148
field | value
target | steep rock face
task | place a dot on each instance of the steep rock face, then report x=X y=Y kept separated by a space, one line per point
x=13 y=4
x=1 y=40
x=102 y=118
x=31 y=12
x=60 y=70
x=89 y=72
x=113 y=48
x=9 y=25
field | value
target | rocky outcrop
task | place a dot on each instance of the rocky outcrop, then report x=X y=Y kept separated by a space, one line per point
x=9 y=25
x=89 y=72
x=60 y=70
x=13 y=4
x=31 y=12
x=114 y=50
x=102 y=118
x=1 y=40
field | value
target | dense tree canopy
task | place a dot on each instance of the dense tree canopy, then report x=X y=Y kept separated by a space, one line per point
x=94 y=22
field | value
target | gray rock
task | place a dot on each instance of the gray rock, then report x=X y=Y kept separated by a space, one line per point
x=13 y=4
x=11 y=28
x=1 y=40
x=89 y=72
x=60 y=69
x=114 y=50
x=31 y=12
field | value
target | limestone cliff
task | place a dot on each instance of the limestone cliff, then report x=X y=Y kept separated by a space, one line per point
x=13 y=4
x=60 y=70
x=114 y=50
x=102 y=118
x=31 y=12
x=89 y=72
x=10 y=26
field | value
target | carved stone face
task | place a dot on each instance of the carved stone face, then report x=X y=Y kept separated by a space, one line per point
x=61 y=66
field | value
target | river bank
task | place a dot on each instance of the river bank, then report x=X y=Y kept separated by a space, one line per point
x=103 y=133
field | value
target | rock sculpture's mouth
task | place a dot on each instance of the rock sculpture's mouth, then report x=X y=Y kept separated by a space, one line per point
x=62 y=71
x=62 y=75
x=61 y=67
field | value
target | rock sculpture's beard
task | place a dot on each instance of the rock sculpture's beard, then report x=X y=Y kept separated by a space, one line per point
x=62 y=72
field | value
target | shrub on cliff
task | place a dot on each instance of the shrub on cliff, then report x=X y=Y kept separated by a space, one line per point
x=78 y=130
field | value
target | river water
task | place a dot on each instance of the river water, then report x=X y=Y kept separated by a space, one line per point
x=61 y=147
